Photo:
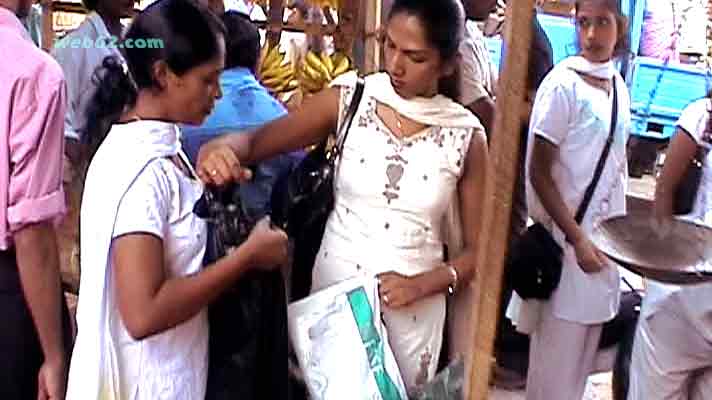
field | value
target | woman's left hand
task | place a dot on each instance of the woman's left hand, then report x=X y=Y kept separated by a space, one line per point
x=397 y=290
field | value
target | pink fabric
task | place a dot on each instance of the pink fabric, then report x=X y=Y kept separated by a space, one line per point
x=659 y=37
x=32 y=107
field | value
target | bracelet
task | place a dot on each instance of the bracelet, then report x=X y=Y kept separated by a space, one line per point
x=452 y=287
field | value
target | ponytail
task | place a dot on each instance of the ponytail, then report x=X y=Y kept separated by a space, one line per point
x=115 y=92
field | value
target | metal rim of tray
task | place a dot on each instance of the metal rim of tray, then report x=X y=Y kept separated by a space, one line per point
x=665 y=275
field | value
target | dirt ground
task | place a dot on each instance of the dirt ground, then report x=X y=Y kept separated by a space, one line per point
x=598 y=388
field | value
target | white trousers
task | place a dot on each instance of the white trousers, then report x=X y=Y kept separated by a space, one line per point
x=671 y=359
x=562 y=355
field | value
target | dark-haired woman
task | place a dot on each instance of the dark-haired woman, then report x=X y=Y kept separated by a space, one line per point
x=143 y=328
x=672 y=354
x=570 y=124
x=411 y=154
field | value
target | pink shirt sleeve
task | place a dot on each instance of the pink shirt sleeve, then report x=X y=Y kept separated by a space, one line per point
x=36 y=143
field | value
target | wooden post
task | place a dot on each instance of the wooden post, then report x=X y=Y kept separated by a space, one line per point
x=347 y=28
x=47 y=24
x=275 y=21
x=371 y=25
x=504 y=155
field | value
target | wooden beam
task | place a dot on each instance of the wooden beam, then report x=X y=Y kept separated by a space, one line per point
x=47 y=25
x=494 y=231
x=371 y=26
x=275 y=20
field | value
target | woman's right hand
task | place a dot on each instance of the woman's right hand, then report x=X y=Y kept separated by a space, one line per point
x=268 y=246
x=218 y=165
x=589 y=257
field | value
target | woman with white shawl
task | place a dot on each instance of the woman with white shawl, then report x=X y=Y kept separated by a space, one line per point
x=142 y=312
x=411 y=154
x=570 y=124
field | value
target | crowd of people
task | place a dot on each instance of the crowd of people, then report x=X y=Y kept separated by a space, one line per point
x=121 y=122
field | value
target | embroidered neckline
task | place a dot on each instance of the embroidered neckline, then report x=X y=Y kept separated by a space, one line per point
x=421 y=135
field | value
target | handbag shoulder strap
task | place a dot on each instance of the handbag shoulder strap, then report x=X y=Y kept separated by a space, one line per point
x=350 y=114
x=591 y=189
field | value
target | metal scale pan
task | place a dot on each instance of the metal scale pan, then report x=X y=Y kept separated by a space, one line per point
x=677 y=251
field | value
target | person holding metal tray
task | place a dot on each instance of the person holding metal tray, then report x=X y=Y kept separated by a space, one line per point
x=672 y=354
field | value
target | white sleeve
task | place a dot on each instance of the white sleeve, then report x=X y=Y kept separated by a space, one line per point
x=551 y=113
x=145 y=205
x=472 y=87
x=693 y=119
x=72 y=62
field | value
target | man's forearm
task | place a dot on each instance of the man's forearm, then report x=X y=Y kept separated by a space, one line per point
x=38 y=264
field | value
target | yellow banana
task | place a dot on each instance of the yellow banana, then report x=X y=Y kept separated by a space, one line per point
x=280 y=72
x=327 y=62
x=342 y=66
x=337 y=57
x=315 y=62
x=314 y=74
x=273 y=57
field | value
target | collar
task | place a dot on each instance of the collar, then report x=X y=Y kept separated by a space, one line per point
x=147 y=135
x=10 y=20
x=604 y=70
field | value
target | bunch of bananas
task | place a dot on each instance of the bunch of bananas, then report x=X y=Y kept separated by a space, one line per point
x=325 y=3
x=276 y=74
x=316 y=71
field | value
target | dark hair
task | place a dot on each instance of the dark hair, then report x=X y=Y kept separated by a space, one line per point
x=622 y=47
x=242 y=42
x=183 y=33
x=90 y=4
x=444 y=22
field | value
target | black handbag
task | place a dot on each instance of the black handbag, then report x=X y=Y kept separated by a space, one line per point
x=303 y=197
x=686 y=192
x=534 y=264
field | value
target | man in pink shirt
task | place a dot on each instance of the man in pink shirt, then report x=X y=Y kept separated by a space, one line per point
x=33 y=348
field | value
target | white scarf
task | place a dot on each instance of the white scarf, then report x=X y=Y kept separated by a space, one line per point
x=432 y=111
x=606 y=70
x=125 y=152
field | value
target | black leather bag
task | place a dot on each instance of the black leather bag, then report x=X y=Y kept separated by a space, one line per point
x=304 y=196
x=248 y=322
x=302 y=200
x=534 y=264
x=689 y=186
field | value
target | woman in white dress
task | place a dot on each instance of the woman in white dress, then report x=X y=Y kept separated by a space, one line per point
x=412 y=152
x=569 y=127
x=143 y=327
x=672 y=352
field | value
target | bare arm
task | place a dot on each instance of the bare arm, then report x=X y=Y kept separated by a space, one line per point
x=151 y=302
x=483 y=108
x=398 y=290
x=471 y=198
x=38 y=264
x=589 y=258
x=680 y=154
x=220 y=161
x=547 y=190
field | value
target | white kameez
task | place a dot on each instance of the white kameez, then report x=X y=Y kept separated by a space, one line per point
x=575 y=116
x=392 y=195
x=131 y=187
